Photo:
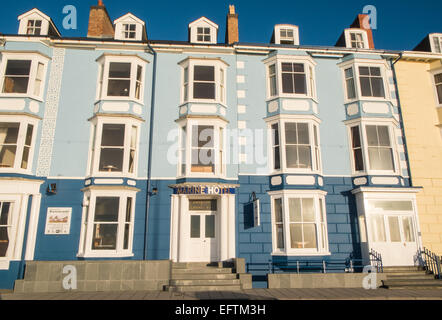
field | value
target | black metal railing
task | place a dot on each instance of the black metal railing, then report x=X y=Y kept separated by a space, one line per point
x=431 y=262
x=376 y=260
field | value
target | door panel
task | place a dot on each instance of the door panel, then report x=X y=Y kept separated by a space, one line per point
x=203 y=237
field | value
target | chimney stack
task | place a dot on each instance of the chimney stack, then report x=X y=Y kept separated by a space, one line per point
x=100 y=24
x=232 y=31
x=362 y=22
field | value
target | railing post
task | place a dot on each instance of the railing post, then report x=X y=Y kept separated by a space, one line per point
x=297 y=266
x=351 y=266
x=323 y=266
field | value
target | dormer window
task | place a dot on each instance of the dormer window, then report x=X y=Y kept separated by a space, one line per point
x=131 y=28
x=129 y=31
x=36 y=23
x=203 y=31
x=34 y=27
x=437 y=43
x=356 y=38
x=285 y=34
x=203 y=34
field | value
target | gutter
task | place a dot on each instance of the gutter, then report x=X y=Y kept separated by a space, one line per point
x=149 y=162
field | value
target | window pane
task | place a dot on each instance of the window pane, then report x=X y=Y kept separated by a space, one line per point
x=126 y=236
x=407 y=224
x=9 y=132
x=29 y=134
x=359 y=160
x=204 y=73
x=202 y=90
x=381 y=158
x=291 y=133
x=300 y=84
x=275 y=132
x=308 y=210
x=291 y=156
x=7 y=156
x=439 y=93
x=210 y=226
x=377 y=87
x=195 y=227
x=279 y=237
x=4 y=227
x=364 y=71
x=119 y=70
x=113 y=135
x=310 y=236
x=106 y=209
x=374 y=71
x=395 y=235
x=372 y=135
x=384 y=137
x=278 y=210
x=202 y=136
x=4 y=213
x=303 y=133
x=111 y=160
x=18 y=68
x=203 y=205
x=287 y=67
x=365 y=86
x=378 y=229
x=356 y=139
x=295 y=210
x=287 y=83
x=128 y=209
x=305 y=157
x=351 y=90
x=105 y=237
x=25 y=158
x=296 y=236
x=118 y=88
x=391 y=205
x=277 y=158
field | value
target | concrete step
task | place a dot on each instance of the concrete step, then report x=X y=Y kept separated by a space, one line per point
x=413 y=284
x=403 y=269
x=197 y=288
x=205 y=282
x=196 y=265
x=201 y=276
x=207 y=270
x=416 y=276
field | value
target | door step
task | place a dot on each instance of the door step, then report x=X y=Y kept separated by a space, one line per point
x=410 y=278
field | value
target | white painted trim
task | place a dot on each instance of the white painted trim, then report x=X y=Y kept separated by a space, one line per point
x=33 y=227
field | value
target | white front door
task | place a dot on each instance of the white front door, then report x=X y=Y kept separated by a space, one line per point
x=203 y=241
x=394 y=236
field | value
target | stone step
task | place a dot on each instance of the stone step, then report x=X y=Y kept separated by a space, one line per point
x=435 y=284
x=403 y=269
x=201 y=276
x=205 y=282
x=203 y=288
x=195 y=265
x=410 y=276
x=207 y=270
x=406 y=274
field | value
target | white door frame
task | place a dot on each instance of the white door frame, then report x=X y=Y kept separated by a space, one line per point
x=366 y=194
x=180 y=222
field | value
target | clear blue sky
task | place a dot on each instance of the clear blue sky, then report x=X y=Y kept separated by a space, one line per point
x=402 y=24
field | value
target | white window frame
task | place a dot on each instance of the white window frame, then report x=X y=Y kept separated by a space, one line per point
x=322 y=237
x=309 y=71
x=203 y=23
x=34 y=27
x=103 y=77
x=129 y=19
x=355 y=64
x=14 y=221
x=433 y=73
x=312 y=122
x=35 y=59
x=88 y=218
x=24 y=122
x=277 y=33
x=220 y=80
x=362 y=123
x=348 y=41
x=219 y=126
x=95 y=145
x=432 y=40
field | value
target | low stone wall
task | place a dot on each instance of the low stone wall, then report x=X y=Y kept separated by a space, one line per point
x=121 y=275
x=320 y=280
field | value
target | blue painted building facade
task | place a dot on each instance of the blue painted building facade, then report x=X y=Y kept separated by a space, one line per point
x=155 y=150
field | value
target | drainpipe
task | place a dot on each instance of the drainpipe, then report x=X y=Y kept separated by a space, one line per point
x=400 y=115
x=149 y=162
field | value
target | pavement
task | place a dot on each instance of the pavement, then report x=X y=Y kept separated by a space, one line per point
x=252 y=294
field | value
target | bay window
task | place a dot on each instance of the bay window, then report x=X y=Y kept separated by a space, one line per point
x=295 y=146
x=364 y=81
x=291 y=77
x=201 y=148
x=5 y=227
x=115 y=146
x=23 y=74
x=108 y=223
x=121 y=78
x=372 y=148
x=204 y=81
x=299 y=223
x=16 y=143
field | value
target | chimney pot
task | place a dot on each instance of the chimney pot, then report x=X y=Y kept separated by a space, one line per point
x=232 y=30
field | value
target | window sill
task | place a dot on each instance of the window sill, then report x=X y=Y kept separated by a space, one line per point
x=21 y=95
x=15 y=170
x=105 y=254
x=4 y=264
x=120 y=99
x=301 y=254
x=292 y=96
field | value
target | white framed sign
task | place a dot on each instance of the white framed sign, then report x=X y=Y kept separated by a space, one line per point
x=58 y=221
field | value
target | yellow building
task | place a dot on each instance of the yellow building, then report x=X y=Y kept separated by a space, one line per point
x=419 y=79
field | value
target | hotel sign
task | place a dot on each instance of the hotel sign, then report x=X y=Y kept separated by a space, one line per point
x=58 y=221
x=203 y=190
